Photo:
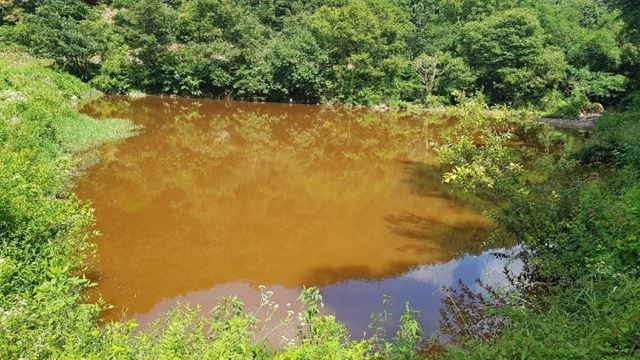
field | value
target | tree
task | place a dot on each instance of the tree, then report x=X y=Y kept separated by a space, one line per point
x=630 y=59
x=149 y=28
x=586 y=30
x=297 y=64
x=65 y=31
x=426 y=66
x=507 y=49
x=630 y=10
x=442 y=74
x=225 y=45
x=358 y=37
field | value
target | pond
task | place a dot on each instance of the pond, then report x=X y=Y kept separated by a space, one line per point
x=216 y=198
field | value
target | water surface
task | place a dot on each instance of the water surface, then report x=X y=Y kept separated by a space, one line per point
x=215 y=198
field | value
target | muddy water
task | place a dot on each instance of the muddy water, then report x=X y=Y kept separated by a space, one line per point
x=215 y=198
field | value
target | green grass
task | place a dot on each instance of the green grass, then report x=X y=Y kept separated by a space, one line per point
x=588 y=321
x=35 y=95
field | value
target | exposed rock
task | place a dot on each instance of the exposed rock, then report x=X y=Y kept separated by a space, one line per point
x=12 y=95
x=218 y=57
x=136 y=95
x=96 y=59
x=107 y=14
x=175 y=47
x=381 y=107
x=592 y=109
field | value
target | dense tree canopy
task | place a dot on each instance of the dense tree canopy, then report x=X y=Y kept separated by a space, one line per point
x=509 y=53
x=66 y=31
x=630 y=10
x=546 y=54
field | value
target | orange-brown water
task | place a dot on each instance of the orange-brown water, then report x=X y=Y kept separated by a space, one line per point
x=231 y=195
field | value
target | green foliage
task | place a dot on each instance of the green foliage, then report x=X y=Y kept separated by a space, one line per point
x=567 y=107
x=587 y=31
x=222 y=39
x=443 y=75
x=630 y=102
x=508 y=50
x=297 y=65
x=576 y=212
x=576 y=215
x=44 y=230
x=476 y=152
x=65 y=31
x=588 y=321
x=519 y=52
x=148 y=28
x=114 y=75
x=596 y=85
x=631 y=12
x=365 y=41
x=12 y=11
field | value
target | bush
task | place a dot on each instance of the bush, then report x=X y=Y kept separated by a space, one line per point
x=508 y=51
x=66 y=32
x=578 y=224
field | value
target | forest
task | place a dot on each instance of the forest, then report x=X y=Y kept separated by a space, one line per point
x=571 y=203
x=554 y=56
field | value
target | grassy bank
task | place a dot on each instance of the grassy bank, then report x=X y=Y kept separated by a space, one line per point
x=44 y=229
